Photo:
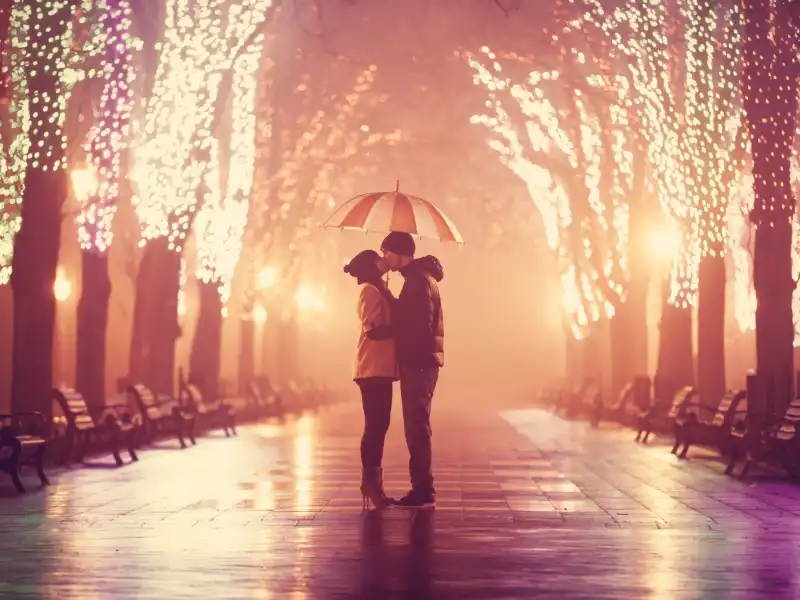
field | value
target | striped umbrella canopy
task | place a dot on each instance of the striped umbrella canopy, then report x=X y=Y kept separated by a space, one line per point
x=382 y=212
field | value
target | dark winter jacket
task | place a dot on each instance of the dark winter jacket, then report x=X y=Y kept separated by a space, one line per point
x=418 y=319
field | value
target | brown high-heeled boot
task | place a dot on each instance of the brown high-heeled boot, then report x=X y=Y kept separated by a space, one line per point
x=372 y=488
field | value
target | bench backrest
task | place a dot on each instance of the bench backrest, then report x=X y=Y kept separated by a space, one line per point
x=681 y=400
x=75 y=409
x=727 y=406
x=592 y=396
x=254 y=392
x=166 y=403
x=195 y=397
x=193 y=394
x=152 y=406
x=791 y=420
x=625 y=395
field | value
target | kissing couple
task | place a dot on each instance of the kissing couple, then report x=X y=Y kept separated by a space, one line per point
x=401 y=339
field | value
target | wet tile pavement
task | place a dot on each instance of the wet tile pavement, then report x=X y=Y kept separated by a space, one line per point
x=528 y=506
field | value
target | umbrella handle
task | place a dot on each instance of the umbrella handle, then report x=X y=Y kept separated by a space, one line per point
x=397 y=188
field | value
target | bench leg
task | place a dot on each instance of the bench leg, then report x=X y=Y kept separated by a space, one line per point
x=82 y=445
x=232 y=423
x=69 y=449
x=132 y=444
x=678 y=439
x=686 y=445
x=114 y=435
x=179 y=428
x=733 y=458
x=646 y=435
x=748 y=462
x=190 y=425
x=15 y=478
x=225 y=421
x=40 y=466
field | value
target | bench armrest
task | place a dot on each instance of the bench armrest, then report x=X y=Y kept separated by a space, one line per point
x=709 y=409
x=18 y=418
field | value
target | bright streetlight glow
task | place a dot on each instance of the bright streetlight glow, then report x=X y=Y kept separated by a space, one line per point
x=665 y=242
x=84 y=183
x=267 y=277
x=259 y=314
x=62 y=288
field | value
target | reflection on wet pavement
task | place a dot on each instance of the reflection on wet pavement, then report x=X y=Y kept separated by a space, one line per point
x=528 y=505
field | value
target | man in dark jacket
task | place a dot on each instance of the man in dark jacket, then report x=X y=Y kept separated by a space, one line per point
x=419 y=336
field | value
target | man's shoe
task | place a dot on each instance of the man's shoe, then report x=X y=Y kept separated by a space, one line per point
x=416 y=499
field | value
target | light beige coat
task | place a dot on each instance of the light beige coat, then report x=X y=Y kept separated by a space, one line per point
x=374 y=358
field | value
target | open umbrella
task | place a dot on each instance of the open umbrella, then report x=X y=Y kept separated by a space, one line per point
x=382 y=212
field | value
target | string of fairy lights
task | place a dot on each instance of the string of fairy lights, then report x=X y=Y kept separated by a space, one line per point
x=221 y=220
x=32 y=118
x=110 y=131
x=14 y=124
x=564 y=157
x=686 y=98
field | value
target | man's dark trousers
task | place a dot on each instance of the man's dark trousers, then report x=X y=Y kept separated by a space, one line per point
x=417 y=385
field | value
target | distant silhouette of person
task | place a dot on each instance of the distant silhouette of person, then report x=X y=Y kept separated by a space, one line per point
x=419 y=335
x=375 y=368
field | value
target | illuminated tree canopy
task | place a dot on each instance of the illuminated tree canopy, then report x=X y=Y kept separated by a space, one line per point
x=202 y=41
x=566 y=135
x=109 y=134
x=685 y=66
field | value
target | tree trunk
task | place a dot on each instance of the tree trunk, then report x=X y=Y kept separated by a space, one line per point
x=711 y=329
x=36 y=246
x=90 y=361
x=35 y=262
x=143 y=306
x=675 y=359
x=155 y=320
x=772 y=274
x=166 y=326
x=246 y=350
x=642 y=207
x=204 y=360
x=628 y=335
x=6 y=331
x=770 y=72
x=287 y=350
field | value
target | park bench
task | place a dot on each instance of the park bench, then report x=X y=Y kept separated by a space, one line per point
x=633 y=401
x=582 y=400
x=766 y=438
x=662 y=413
x=211 y=414
x=702 y=424
x=22 y=443
x=111 y=423
x=616 y=411
x=162 y=414
x=266 y=400
x=298 y=398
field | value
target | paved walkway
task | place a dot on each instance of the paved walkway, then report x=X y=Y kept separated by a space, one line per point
x=529 y=506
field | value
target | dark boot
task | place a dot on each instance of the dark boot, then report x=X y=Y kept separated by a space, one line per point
x=372 y=487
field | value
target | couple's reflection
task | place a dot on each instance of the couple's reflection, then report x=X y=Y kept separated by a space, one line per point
x=397 y=553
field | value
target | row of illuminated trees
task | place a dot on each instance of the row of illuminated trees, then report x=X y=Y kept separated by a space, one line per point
x=671 y=122
x=201 y=116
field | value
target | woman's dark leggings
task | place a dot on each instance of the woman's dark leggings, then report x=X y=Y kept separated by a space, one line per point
x=376 y=399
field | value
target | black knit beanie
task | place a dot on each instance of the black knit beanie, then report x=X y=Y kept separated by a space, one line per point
x=400 y=243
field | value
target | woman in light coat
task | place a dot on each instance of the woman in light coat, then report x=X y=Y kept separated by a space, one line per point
x=375 y=368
